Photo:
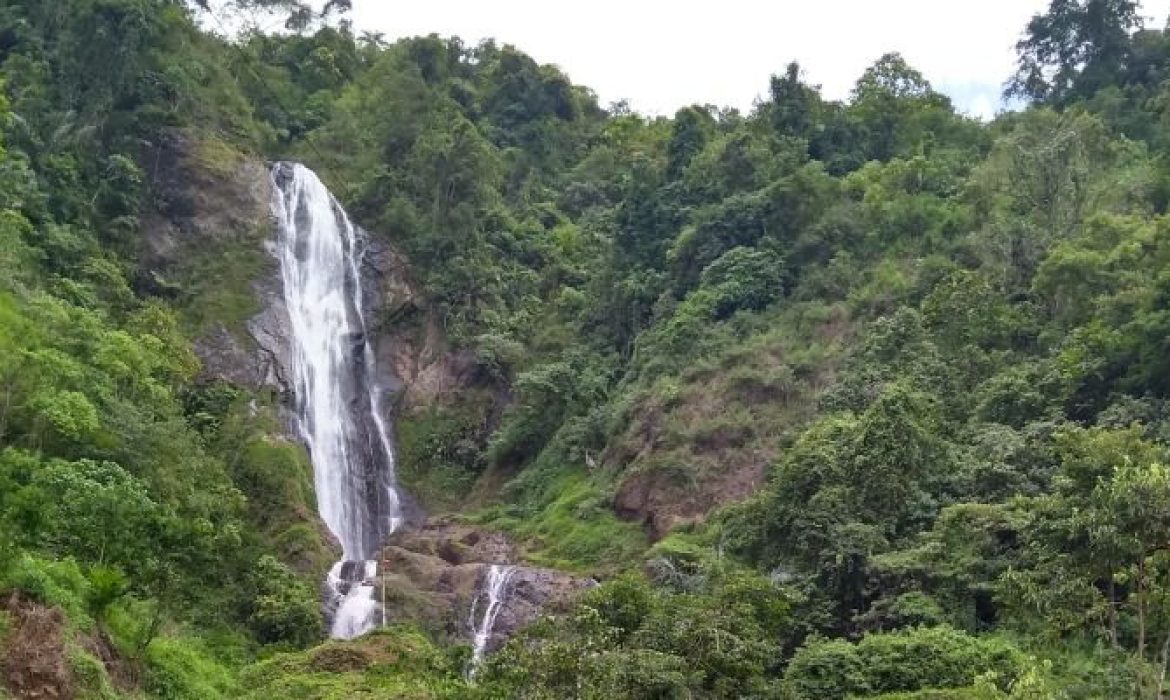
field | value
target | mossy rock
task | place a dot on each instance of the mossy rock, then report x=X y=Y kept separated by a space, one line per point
x=216 y=156
x=217 y=284
x=303 y=547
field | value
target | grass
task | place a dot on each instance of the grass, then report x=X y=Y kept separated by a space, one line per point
x=181 y=668
x=51 y=583
x=574 y=530
x=90 y=680
x=216 y=156
x=395 y=662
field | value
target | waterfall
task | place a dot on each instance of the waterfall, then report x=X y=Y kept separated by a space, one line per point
x=336 y=401
x=352 y=587
x=495 y=589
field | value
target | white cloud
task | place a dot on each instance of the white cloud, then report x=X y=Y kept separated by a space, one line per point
x=664 y=54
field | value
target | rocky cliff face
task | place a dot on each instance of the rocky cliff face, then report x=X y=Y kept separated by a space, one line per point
x=408 y=340
x=211 y=207
x=209 y=202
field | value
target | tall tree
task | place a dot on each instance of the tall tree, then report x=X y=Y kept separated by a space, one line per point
x=1074 y=48
x=794 y=103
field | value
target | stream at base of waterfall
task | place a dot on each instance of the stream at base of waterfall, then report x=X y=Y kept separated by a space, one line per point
x=496 y=587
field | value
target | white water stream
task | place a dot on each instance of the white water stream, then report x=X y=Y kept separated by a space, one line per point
x=336 y=398
x=495 y=590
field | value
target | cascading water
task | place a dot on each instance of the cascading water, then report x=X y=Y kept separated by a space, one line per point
x=351 y=588
x=495 y=589
x=336 y=400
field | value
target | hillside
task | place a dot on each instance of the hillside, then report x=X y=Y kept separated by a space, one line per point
x=832 y=399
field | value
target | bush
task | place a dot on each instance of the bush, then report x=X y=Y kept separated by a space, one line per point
x=904 y=661
x=59 y=583
x=826 y=669
x=285 y=608
x=935 y=657
x=181 y=669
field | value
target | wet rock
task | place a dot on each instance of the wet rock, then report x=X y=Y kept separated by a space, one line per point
x=531 y=591
x=435 y=575
x=457 y=543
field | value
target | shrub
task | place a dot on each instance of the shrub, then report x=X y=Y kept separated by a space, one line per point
x=285 y=608
x=826 y=669
x=181 y=669
x=904 y=661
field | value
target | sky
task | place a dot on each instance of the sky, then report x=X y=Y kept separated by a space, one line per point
x=662 y=55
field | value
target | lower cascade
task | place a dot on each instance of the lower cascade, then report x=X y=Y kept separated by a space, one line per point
x=495 y=590
x=357 y=608
x=337 y=403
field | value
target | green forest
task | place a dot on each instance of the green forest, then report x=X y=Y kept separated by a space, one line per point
x=835 y=399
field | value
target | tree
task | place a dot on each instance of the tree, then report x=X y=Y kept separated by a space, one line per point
x=907 y=660
x=1073 y=49
x=285 y=609
x=794 y=105
x=299 y=14
x=895 y=108
x=1097 y=552
x=690 y=132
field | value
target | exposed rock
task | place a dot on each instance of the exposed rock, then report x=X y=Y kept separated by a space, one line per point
x=208 y=197
x=658 y=501
x=434 y=575
x=388 y=288
x=531 y=592
x=260 y=360
x=456 y=543
x=407 y=338
x=271 y=330
x=204 y=193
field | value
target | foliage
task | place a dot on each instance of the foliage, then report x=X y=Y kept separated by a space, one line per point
x=629 y=640
x=285 y=608
x=396 y=662
x=908 y=660
x=841 y=378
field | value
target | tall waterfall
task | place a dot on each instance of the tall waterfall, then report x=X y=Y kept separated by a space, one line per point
x=337 y=405
x=495 y=591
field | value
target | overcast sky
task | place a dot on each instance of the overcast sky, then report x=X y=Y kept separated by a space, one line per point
x=664 y=54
